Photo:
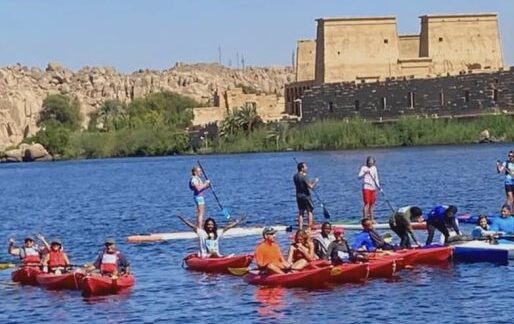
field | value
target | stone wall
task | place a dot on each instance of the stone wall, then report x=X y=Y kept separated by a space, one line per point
x=305 y=60
x=451 y=96
x=23 y=89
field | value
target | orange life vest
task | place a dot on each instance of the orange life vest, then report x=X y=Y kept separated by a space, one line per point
x=30 y=255
x=56 y=259
x=109 y=263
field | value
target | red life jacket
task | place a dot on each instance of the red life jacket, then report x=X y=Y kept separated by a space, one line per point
x=109 y=263
x=56 y=259
x=30 y=255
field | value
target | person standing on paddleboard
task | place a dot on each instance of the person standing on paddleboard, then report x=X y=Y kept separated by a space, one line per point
x=198 y=187
x=508 y=168
x=370 y=183
x=303 y=195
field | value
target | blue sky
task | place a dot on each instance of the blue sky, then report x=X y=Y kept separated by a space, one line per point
x=154 y=34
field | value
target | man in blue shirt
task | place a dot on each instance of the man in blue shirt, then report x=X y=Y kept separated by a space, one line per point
x=441 y=218
x=369 y=239
x=505 y=223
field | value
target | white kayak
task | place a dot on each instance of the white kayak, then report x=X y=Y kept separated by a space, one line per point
x=233 y=232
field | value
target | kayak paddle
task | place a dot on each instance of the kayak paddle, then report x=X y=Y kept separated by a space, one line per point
x=223 y=210
x=7 y=265
x=326 y=213
x=383 y=193
x=238 y=271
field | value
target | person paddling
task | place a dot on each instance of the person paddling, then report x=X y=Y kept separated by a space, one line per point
x=303 y=195
x=301 y=252
x=369 y=240
x=504 y=223
x=508 y=167
x=198 y=187
x=268 y=257
x=29 y=253
x=209 y=235
x=400 y=223
x=55 y=259
x=368 y=173
x=323 y=240
x=110 y=261
x=442 y=218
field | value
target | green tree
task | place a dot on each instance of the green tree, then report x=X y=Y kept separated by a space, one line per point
x=112 y=115
x=53 y=136
x=62 y=110
x=248 y=118
x=278 y=132
x=229 y=126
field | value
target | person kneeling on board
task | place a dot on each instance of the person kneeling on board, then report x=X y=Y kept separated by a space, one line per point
x=209 y=235
x=268 y=256
x=322 y=241
x=369 y=240
x=301 y=252
x=400 y=223
x=442 y=218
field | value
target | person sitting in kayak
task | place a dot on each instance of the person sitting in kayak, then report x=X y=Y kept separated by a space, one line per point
x=29 y=253
x=442 y=218
x=198 y=187
x=268 y=256
x=400 y=223
x=110 y=261
x=55 y=259
x=504 y=223
x=323 y=240
x=301 y=252
x=369 y=239
x=339 y=251
x=209 y=235
x=483 y=230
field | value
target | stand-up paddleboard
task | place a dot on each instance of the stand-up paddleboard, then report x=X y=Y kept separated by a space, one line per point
x=242 y=231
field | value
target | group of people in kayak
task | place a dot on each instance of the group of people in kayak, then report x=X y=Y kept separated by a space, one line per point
x=51 y=258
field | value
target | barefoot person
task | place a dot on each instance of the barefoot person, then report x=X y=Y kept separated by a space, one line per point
x=301 y=252
x=508 y=168
x=268 y=256
x=198 y=187
x=303 y=195
x=209 y=235
x=370 y=183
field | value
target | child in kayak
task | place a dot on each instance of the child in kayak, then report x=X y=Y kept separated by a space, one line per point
x=55 y=259
x=301 y=252
x=209 y=235
x=268 y=256
x=339 y=251
x=198 y=187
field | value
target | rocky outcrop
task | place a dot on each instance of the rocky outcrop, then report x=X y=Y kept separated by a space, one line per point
x=27 y=153
x=22 y=89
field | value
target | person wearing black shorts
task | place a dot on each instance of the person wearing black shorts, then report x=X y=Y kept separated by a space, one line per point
x=303 y=195
x=508 y=168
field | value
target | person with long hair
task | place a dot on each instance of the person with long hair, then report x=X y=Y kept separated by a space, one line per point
x=483 y=230
x=301 y=252
x=198 y=187
x=209 y=235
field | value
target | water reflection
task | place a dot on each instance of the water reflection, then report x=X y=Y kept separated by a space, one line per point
x=271 y=302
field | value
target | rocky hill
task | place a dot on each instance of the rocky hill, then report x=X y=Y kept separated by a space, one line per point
x=22 y=89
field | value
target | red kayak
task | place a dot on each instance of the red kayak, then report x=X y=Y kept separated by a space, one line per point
x=310 y=278
x=350 y=273
x=97 y=285
x=194 y=262
x=69 y=280
x=26 y=275
x=382 y=268
x=433 y=255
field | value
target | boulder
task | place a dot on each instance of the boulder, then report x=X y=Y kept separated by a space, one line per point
x=15 y=155
x=36 y=152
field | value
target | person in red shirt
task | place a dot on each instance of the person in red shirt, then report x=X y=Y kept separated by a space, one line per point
x=268 y=256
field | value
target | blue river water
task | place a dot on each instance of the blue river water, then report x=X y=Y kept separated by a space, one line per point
x=83 y=202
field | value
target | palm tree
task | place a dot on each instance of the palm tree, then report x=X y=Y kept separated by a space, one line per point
x=230 y=124
x=278 y=132
x=111 y=115
x=248 y=117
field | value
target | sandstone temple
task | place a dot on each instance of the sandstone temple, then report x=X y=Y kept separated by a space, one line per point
x=363 y=67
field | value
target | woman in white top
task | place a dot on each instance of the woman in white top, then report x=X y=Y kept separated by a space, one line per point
x=209 y=235
x=370 y=183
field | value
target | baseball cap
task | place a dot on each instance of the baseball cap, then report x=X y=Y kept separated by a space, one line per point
x=338 y=231
x=109 y=241
x=268 y=230
x=29 y=238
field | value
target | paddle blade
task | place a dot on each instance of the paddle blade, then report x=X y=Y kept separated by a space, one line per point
x=335 y=271
x=226 y=213
x=238 y=271
x=326 y=214
x=4 y=266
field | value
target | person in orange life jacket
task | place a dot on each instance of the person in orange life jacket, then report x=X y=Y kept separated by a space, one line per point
x=301 y=252
x=29 y=253
x=110 y=261
x=54 y=260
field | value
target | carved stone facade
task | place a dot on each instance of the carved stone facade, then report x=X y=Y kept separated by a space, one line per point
x=370 y=49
